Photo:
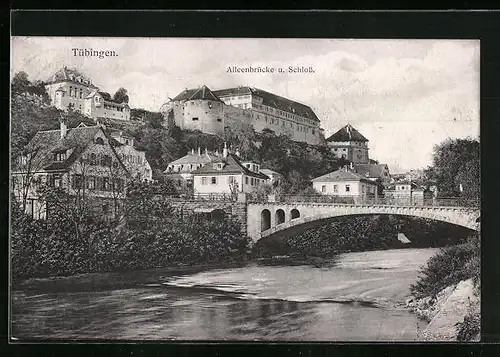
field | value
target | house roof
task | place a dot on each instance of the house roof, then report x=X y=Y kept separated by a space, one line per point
x=271 y=100
x=202 y=93
x=64 y=74
x=347 y=133
x=268 y=172
x=46 y=143
x=190 y=158
x=104 y=95
x=232 y=165
x=342 y=175
x=370 y=170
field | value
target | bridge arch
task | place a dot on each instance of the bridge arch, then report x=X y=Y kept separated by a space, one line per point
x=265 y=220
x=316 y=212
x=217 y=214
x=280 y=216
x=294 y=213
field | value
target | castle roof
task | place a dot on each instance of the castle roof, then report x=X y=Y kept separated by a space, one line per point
x=271 y=100
x=202 y=93
x=231 y=166
x=347 y=133
x=342 y=175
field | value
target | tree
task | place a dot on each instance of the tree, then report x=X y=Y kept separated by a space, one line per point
x=20 y=82
x=450 y=157
x=121 y=95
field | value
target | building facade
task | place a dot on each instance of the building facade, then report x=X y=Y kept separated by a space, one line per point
x=374 y=172
x=345 y=183
x=68 y=88
x=134 y=159
x=81 y=160
x=179 y=171
x=213 y=111
x=349 y=144
x=407 y=193
x=227 y=175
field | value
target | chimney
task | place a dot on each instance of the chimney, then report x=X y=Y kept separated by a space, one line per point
x=224 y=152
x=63 y=127
x=199 y=151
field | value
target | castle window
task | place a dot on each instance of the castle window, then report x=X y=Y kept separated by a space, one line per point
x=195 y=119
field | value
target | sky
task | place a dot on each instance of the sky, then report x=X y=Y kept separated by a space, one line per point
x=405 y=96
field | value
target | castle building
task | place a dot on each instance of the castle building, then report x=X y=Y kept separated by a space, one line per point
x=349 y=144
x=213 y=111
x=69 y=88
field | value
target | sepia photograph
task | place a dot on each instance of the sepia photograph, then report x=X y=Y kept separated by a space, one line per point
x=244 y=189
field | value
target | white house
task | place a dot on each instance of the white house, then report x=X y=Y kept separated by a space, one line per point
x=345 y=183
x=179 y=171
x=227 y=175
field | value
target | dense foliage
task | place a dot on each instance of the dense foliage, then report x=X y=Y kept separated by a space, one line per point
x=359 y=233
x=149 y=234
x=456 y=162
x=450 y=266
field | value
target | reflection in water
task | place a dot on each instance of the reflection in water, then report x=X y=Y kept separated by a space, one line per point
x=356 y=300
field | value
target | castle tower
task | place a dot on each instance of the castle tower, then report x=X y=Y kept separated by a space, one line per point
x=348 y=143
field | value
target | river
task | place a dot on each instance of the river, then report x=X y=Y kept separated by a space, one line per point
x=357 y=299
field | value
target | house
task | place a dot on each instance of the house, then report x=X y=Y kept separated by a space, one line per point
x=349 y=144
x=134 y=159
x=80 y=160
x=274 y=177
x=98 y=105
x=407 y=193
x=180 y=170
x=345 y=183
x=374 y=171
x=227 y=175
x=68 y=88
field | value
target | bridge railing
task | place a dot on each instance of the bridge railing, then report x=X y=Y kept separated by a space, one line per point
x=205 y=197
x=380 y=200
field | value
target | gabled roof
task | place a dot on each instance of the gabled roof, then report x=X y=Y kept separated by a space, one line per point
x=347 y=133
x=232 y=166
x=45 y=143
x=202 y=93
x=271 y=100
x=373 y=170
x=341 y=175
x=64 y=74
x=202 y=158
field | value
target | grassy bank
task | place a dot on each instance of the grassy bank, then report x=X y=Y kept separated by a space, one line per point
x=441 y=279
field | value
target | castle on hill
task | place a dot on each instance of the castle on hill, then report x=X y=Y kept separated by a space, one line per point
x=212 y=111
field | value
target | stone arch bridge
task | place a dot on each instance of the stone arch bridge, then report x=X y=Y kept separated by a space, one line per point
x=266 y=219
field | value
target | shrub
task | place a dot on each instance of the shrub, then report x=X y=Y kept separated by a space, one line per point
x=448 y=267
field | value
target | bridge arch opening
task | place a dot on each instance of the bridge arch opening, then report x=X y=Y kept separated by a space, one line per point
x=217 y=215
x=294 y=213
x=280 y=216
x=265 y=220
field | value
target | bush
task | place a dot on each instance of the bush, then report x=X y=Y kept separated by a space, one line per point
x=448 y=267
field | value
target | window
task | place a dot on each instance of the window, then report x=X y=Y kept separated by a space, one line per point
x=99 y=141
x=246 y=180
x=56 y=180
x=77 y=181
x=105 y=184
x=347 y=188
x=219 y=120
x=252 y=181
x=335 y=188
x=179 y=183
x=106 y=160
x=60 y=156
x=195 y=119
x=214 y=180
x=203 y=180
x=91 y=183
x=363 y=188
x=323 y=188
x=105 y=208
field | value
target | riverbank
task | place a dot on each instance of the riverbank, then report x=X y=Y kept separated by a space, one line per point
x=454 y=311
